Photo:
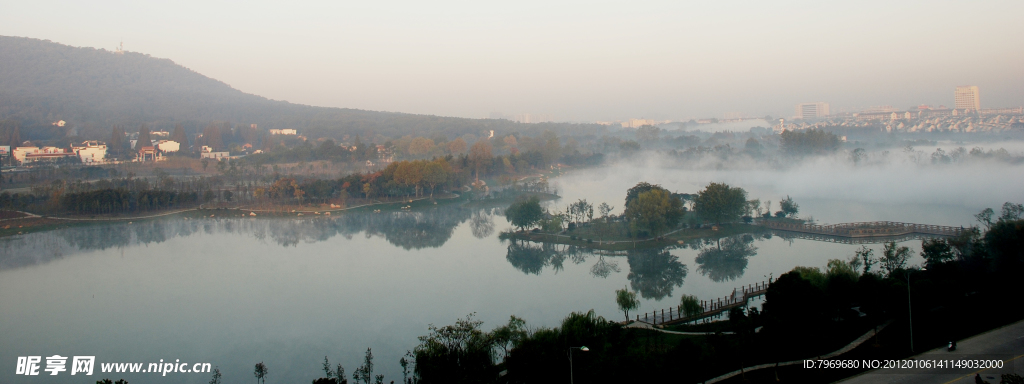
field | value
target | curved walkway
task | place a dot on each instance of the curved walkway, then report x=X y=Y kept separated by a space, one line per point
x=168 y=213
x=121 y=218
x=27 y=216
x=849 y=347
x=360 y=206
x=1006 y=343
x=643 y=325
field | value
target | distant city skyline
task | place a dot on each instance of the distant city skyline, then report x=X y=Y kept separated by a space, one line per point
x=658 y=60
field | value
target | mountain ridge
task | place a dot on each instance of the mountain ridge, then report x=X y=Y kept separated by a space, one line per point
x=42 y=81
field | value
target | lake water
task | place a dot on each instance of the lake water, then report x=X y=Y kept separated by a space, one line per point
x=234 y=291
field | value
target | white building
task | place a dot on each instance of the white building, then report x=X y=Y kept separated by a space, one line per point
x=32 y=154
x=288 y=131
x=168 y=146
x=215 y=155
x=208 y=153
x=637 y=123
x=91 y=152
x=966 y=97
x=809 y=111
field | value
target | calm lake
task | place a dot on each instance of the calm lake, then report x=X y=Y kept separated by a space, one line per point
x=234 y=291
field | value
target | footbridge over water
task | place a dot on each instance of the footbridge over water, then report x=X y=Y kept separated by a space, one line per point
x=708 y=308
x=864 y=230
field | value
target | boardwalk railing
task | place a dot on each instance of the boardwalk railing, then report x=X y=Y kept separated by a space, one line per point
x=865 y=229
x=737 y=299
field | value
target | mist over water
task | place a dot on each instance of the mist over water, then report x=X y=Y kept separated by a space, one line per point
x=234 y=291
x=831 y=189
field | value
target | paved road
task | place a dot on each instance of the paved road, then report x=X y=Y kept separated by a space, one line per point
x=1005 y=343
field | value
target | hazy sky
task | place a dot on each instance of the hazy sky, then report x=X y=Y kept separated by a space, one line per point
x=584 y=61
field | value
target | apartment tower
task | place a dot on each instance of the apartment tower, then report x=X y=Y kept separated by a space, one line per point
x=809 y=111
x=966 y=97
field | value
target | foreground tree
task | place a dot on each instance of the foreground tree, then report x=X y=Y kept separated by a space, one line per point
x=867 y=258
x=328 y=372
x=459 y=353
x=260 y=372
x=936 y=251
x=720 y=203
x=894 y=257
x=627 y=301
x=508 y=336
x=689 y=306
x=215 y=379
x=365 y=372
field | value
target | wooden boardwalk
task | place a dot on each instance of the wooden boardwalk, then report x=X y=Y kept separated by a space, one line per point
x=738 y=299
x=851 y=240
x=865 y=229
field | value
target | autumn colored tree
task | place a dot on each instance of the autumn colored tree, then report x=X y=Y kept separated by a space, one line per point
x=421 y=146
x=410 y=173
x=654 y=211
x=480 y=156
x=457 y=146
x=435 y=173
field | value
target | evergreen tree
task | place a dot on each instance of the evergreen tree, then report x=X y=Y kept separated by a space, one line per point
x=144 y=139
x=10 y=132
x=179 y=136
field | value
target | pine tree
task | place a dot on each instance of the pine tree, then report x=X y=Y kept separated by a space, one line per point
x=179 y=136
x=144 y=139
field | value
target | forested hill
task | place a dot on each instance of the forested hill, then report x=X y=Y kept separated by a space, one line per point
x=92 y=89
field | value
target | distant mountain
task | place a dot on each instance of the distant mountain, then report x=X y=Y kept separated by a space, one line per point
x=92 y=89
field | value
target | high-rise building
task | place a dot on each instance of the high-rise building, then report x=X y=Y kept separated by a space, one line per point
x=966 y=97
x=811 y=110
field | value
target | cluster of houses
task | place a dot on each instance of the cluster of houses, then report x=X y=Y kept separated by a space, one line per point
x=88 y=152
x=96 y=152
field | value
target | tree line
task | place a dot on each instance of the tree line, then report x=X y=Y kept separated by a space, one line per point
x=651 y=210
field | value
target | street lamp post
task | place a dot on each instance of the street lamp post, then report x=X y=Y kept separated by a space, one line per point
x=582 y=348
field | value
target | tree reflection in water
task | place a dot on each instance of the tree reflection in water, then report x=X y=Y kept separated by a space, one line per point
x=531 y=258
x=604 y=267
x=654 y=273
x=409 y=230
x=726 y=260
x=482 y=224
